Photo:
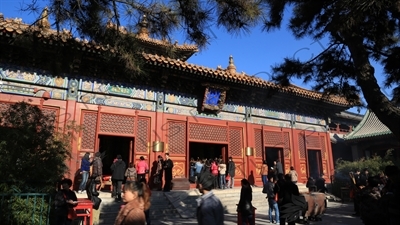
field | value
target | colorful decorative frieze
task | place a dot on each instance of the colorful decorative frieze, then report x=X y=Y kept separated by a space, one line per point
x=305 y=119
x=270 y=122
x=23 y=75
x=234 y=108
x=270 y=114
x=310 y=128
x=27 y=89
x=108 y=100
x=180 y=100
x=117 y=89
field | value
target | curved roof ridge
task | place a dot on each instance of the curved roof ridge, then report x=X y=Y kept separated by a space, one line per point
x=19 y=27
x=243 y=78
x=370 y=126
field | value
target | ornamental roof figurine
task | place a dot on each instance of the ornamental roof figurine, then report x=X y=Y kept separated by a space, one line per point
x=231 y=67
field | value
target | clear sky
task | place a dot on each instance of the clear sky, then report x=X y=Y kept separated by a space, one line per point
x=253 y=53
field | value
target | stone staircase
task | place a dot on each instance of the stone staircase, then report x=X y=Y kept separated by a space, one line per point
x=169 y=206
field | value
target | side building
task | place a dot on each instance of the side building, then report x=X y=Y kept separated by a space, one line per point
x=184 y=109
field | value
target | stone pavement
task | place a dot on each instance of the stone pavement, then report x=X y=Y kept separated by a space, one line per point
x=336 y=214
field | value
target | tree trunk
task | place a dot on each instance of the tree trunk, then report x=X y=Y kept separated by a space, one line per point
x=386 y=111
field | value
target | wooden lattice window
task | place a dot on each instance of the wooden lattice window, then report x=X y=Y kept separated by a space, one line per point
x=89 y=122
x=117 y=124
x=258 y=142
x=273 y=139
x=286 y=149
x=4 y=106
x=312 y=142
x=302 y=146
x=235 y=141
x=208 y=133
x=143 y=135
x=176 y=137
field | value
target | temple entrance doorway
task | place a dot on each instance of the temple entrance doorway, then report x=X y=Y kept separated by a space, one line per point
x=272 y=154
x=314 y=163
x=207 y=150
x=111 y=146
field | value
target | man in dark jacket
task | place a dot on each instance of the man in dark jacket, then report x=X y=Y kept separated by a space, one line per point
x=118 y=175
x=168 y=165
x=97 y=171
x=209 y=208
x=286 y=192
x=278 y=167
x=231 y=171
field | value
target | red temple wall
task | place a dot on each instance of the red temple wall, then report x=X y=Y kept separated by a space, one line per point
x=176 y=131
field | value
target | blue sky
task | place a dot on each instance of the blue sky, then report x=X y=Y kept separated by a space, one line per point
x=253 y=53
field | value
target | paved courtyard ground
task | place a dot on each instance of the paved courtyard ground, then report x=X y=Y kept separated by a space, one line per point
x=336 y=214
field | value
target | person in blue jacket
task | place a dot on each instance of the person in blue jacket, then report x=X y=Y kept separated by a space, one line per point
x=85 y=169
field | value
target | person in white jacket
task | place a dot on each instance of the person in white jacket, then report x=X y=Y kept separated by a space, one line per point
x=222 y=173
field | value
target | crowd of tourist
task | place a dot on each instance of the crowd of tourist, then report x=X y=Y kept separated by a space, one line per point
x=375 y=197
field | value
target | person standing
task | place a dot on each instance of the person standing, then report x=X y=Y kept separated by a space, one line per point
x=198 y=169
x=293 y=175
x=64 y=200
x=118 y=176
x=356 y=188
x=142 y=168
x=168 y=165
x=131 y=173
x=286 y=190
x=272 y=191
x=231 y=172
x=222 y=172
x=364 y=178
x=97 y=169
x=245 y=207
x=159 y=173
x=209 y=208
x=84 y=171
x=214 y=172
x=278 y=166
x=264 y=172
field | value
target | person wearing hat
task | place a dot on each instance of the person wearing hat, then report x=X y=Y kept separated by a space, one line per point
x=118 y=176
x=209 y=208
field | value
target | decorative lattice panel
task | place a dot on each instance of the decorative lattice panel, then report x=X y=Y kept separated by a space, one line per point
x=286 y=149
x=52 y=113
x=235 y=142
x=207 y=132
x=302 y=146
x=4 y=106
x=142 y=140
x=258 y=142
x=117 y=124
x=323 y=148
x=176 y=137
x=89 y=122
x=313 y=142
x=274 y=139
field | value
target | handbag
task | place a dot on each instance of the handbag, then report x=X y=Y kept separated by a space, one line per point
x=276 y=197
x=71 y=213
x=227 y=177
